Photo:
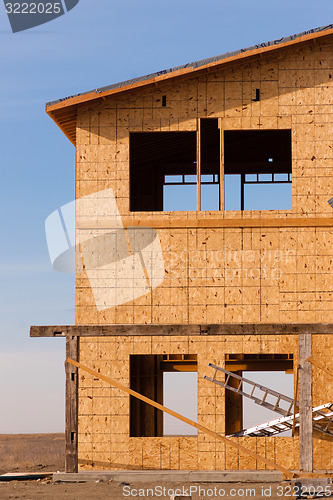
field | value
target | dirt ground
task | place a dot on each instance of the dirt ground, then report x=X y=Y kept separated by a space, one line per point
x=45 y=453
x=32 y=453
x=46 y=490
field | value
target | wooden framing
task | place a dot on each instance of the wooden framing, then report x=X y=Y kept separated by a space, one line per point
x=222 y=200
x=198 y=165
x=176 y=330
x=71 y=429
x=305 y=403
x=287 y=473
x=264 y=222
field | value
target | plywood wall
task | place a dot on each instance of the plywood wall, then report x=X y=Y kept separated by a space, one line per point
x=225 y=274
x=230 y=275
x=104 y=440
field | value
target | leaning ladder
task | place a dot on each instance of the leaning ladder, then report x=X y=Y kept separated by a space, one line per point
x=274 y=427
x=279 y=403
x=258 y=393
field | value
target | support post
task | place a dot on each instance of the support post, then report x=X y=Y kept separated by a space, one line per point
x=199 y=165
x=305 y=403
x=71 y=431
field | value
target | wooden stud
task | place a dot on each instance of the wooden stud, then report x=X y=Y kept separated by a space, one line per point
x=199 y=165
x=222 y=183
x=71 y=431
x=295 y=400
x=305 y=404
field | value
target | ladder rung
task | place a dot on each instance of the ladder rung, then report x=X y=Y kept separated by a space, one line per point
x=277 y=403
x=264 y=398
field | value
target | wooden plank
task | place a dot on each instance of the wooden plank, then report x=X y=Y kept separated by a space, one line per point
x=71 y=430
x=179 y=330
x=296 y=400
x=174 y=223
x=221 y=164
x=201 y=428
x=305 y=404
x=198 y=165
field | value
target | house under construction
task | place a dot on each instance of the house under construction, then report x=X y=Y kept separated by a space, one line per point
x=219 y=280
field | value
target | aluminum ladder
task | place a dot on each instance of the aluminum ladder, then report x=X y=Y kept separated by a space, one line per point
x=279 y=403
x=258 y=393
x=274 y=427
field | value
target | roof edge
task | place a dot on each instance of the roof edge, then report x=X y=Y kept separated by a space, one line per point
x=189 y=68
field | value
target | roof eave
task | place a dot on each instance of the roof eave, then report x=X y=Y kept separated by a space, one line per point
x=70 y=104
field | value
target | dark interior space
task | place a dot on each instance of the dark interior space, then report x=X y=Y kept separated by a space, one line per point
x=210 y=148
x=240 y=363
x=146 y=378
x=154 y=158
x=254 y=159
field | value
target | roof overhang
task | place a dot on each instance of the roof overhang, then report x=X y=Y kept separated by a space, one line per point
x=64 y=111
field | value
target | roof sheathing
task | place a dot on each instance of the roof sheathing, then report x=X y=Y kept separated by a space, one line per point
x=63 y=111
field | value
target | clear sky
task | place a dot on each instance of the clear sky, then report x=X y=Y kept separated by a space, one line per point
x=97 y=43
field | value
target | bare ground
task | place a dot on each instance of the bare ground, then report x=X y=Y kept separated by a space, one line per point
x=32 y=452
x=45 y=452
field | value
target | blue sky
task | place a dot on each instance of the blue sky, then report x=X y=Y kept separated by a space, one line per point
x=97 y=43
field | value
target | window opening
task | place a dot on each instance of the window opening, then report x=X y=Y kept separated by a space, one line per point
x=210 y=163
x=257 y=167
x=180 y=394
x=155 y=157
x=169 y=379
x=277 y=380
x=272 y=370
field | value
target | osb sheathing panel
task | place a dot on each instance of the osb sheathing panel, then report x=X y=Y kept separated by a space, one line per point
x=225 y=275
x=104 y=440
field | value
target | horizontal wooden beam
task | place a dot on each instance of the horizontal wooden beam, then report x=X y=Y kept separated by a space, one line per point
x=179 y=366
x=188 y=223
x=288 y=474
x=179 y=330
x=269 y=365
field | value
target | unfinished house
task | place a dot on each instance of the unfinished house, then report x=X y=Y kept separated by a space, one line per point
x=204 y=237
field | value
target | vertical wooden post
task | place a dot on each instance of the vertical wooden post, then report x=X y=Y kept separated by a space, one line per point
x=221 y=164
x=305 y=403
x=233 y=408
x=198 y=165
x=71 y=431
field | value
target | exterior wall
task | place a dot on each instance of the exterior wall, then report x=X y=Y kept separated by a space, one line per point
x=226 y=274
x=104 y=441
x=231 y=275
